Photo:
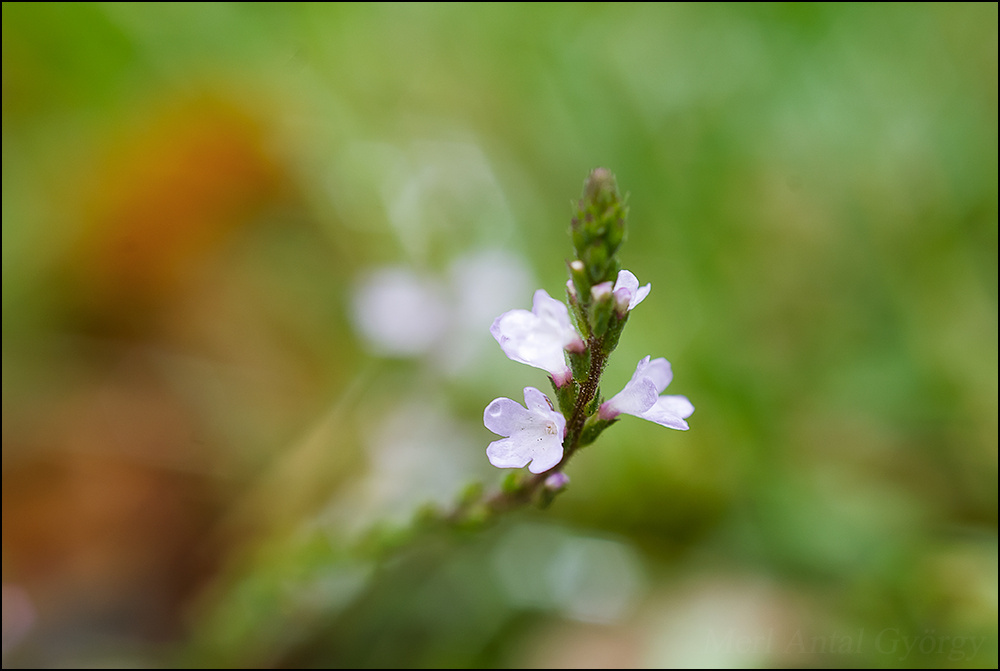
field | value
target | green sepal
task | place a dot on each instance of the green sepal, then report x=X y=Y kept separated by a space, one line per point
x=578 y=274
x=602 y=308
x=566 y=394
x=616 y=231
x=615 y=326
x=595 y=257
x=577 y=315
x=593 y=428
x=579 y=362
x=578 y=233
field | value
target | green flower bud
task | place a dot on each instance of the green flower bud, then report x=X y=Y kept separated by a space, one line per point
x=602 y=305
x=615 y=326
x=596 y=259
x=598 y=228
x=600 y=187
x=593 y=428
x=578 y=274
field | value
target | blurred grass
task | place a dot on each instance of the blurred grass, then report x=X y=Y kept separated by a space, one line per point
x=191 y=194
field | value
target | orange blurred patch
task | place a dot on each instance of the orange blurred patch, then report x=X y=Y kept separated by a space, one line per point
x=169 y=193
x=106 y=510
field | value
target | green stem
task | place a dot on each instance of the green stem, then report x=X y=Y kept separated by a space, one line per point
x=588 y=391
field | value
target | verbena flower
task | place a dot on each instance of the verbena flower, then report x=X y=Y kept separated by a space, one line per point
x=627 y=292
x=534 y=433
x=539 y=338
x=641 y=397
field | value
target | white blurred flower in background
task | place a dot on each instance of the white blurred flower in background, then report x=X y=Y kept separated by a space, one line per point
x=401 y=312
x=485 y=283
x=585 y=578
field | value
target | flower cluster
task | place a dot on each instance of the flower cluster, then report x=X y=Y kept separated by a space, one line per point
x=572 y=345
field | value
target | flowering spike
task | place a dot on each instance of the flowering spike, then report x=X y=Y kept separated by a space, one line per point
x=597 y=230
x=599 y=225
x=601 y=296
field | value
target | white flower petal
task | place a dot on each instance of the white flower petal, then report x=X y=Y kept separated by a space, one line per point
x=504 y=416
x=657 y=370
x=639 y=295
x=552 y=310
x=670 y=411
x=542 y=448
x=627 y=280
x=537 y=402
x=679 y=405
x=538 y=338
x=508 y=453
x=547 y=452
x=637 y=397
x=513 y=325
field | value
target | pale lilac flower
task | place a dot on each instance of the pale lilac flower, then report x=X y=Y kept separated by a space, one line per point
x=628 y=293
x=641 y=397
x=533 y=433
x=400 y=312
x=539 y=338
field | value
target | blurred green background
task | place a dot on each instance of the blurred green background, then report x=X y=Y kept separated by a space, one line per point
x=251 y=253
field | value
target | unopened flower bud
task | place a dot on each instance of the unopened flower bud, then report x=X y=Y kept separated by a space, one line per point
x=557 y=481
x=598 y=227
x=601 y=292
x=601 y=307
x=578 y=274
x=600 y=186
x=571 y=291
x=622 y=299
x=596 y=259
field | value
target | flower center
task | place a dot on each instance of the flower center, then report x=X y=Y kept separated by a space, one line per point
x=550 y=428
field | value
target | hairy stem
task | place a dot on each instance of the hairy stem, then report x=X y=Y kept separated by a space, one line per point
x=588 y=390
